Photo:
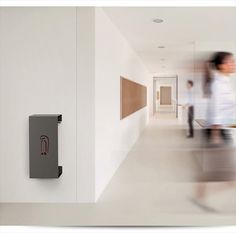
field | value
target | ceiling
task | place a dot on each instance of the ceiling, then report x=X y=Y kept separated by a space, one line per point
x=182 y=28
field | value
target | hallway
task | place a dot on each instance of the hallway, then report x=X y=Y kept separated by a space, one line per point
x=152 y=187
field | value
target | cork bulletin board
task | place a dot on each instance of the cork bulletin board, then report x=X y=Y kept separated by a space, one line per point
x=133 y=97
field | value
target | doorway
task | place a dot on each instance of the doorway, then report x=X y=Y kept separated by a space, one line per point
x=165 y=95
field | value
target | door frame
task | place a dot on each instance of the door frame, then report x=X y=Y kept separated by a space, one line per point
x=155 y=79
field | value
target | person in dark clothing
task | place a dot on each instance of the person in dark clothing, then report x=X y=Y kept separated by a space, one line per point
x=190 y=106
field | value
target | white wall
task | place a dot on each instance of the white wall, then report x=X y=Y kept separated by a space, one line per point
x=114 y=137
x=49 y=64
x=85 y=104
x=37 y=75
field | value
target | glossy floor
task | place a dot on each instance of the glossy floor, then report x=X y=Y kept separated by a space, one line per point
x=153 y=186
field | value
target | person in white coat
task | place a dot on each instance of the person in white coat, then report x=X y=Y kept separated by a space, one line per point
x=222 y=103
x=220 y=114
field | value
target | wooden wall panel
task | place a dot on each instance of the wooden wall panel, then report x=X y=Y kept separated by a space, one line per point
x=133 y=96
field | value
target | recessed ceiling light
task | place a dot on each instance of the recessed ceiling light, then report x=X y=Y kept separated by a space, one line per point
x=157 y=20
x=161 y=46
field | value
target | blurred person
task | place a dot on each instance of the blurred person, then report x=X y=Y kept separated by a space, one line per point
x=190 y=107
x=220 y=113
x=221 y=104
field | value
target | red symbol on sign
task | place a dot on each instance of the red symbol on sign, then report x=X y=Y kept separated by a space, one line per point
x=44 y=144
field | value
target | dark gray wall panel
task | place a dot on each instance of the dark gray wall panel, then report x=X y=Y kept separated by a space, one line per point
x=43 y=146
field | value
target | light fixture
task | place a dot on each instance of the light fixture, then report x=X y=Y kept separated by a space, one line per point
x=157 y=20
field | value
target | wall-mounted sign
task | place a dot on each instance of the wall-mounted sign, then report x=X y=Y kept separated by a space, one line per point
x=43 y=146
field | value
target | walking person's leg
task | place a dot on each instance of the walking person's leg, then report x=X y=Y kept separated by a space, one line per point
x=192 y=118
x=190 y=121
x=189 y=124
